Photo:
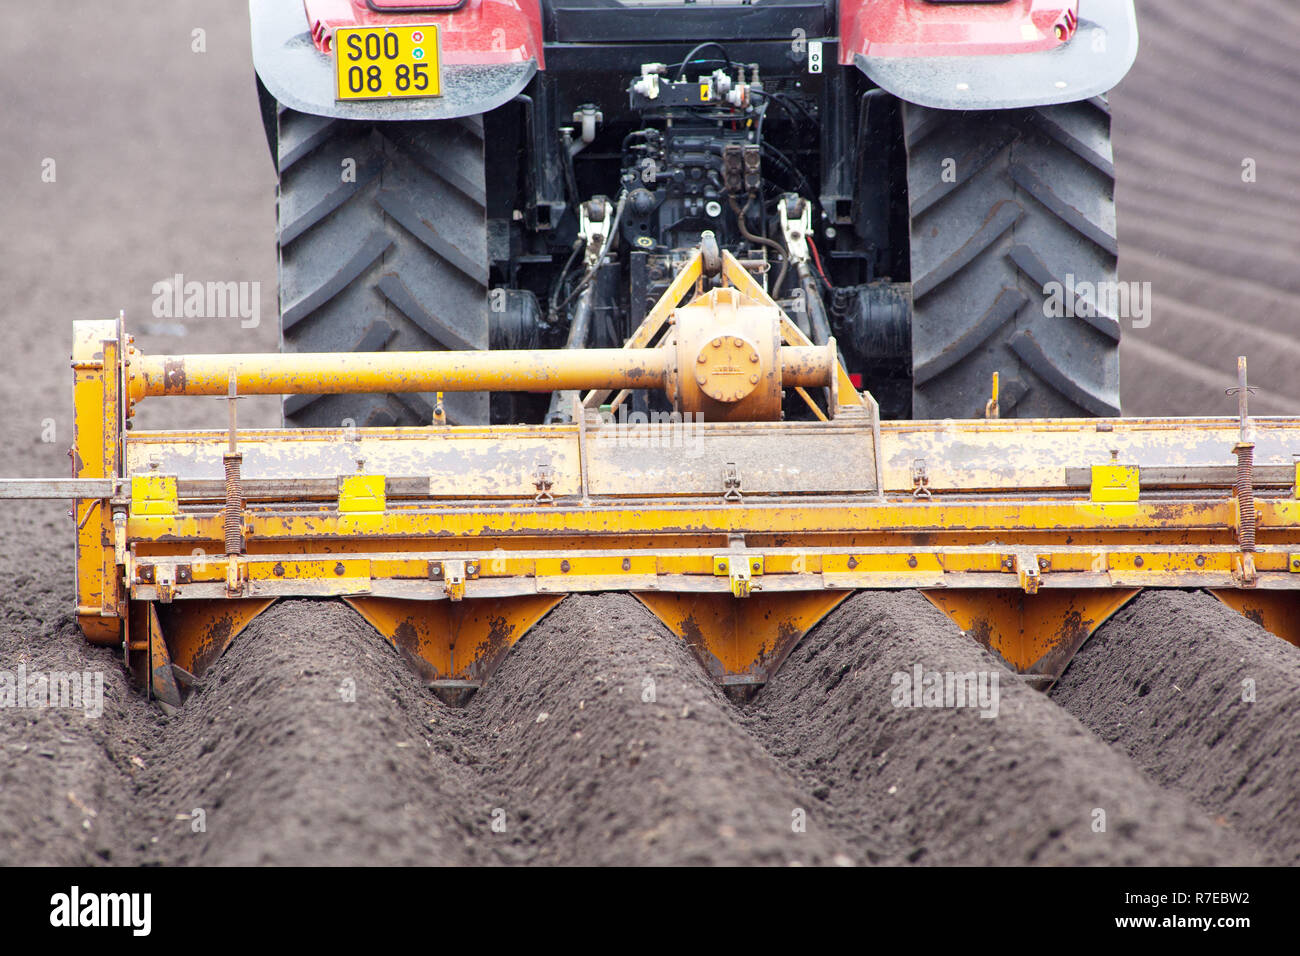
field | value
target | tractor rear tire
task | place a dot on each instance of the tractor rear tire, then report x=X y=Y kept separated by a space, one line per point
x=1002 y=204
x=383 y=246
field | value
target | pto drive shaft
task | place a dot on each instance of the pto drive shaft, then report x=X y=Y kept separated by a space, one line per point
x=457 y=371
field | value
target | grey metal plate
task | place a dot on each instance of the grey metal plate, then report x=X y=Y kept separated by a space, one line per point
x=1037 y=453
x=769 y=460
x=1094 y=61
x=802 y=458
x=57 y=488
x=457 y=463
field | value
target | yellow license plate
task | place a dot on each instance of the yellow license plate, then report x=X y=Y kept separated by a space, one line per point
x=379 y=63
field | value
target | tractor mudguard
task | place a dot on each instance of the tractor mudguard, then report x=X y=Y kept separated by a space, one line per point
x=982 y=56
x=490 y=50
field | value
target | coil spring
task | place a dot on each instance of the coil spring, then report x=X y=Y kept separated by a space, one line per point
x=1246 y=497
x=234 y=513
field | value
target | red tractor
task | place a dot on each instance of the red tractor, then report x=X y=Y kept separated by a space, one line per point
x=911 y=177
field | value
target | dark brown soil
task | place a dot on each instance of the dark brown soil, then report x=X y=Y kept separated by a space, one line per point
x=1164 y=682
x=162 y=168
x=1209 y=92
x=600 y=773
x=311 y=742
x=948 y=785
x=65 y=779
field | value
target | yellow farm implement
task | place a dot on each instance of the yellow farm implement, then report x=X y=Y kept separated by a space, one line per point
x=738 y=530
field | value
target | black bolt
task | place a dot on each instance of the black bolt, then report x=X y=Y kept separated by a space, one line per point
x=564 y=566
x=338 y=568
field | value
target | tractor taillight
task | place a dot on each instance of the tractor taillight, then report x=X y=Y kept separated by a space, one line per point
x=1066 y=26
x=321 y=36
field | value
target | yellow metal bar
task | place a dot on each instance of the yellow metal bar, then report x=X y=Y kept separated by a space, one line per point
x=96 y=393
x=991 y=409
x=625 y=564
x=333 y=373
x=370 y=372
x=1050 y=520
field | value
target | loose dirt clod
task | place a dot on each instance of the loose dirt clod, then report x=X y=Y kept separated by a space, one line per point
x=1169 y=681
x=641 y=760
x=950 y=786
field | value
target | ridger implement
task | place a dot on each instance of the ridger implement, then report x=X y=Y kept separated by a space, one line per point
x=740 y=532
